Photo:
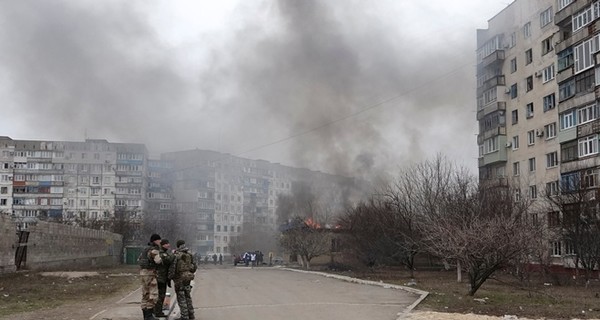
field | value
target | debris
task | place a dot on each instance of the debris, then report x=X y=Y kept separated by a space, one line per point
x=480 y=300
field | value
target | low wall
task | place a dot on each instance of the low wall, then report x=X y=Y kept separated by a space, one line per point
x=59 y=246
x=8 y=243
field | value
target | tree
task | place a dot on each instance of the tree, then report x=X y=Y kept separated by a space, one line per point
x=306 y=240
x=482 y=227
x=575 y=217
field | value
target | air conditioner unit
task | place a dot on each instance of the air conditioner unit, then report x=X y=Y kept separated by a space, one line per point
x=538 y=74
x=509 y=144
x=539 y=133
x=507 y=91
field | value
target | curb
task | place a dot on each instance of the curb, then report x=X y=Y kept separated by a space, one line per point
x=422 y=294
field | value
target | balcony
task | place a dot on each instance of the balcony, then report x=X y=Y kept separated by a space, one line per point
x=491 y=133
x=496 y=56
x=563 y=17
x=576 y=165
x=490 y=83
x=497 y=156
x=580 y=99
x=564 y=74
x=576 y=37
x=495 y=106
x=588 y=128
x=567 y=135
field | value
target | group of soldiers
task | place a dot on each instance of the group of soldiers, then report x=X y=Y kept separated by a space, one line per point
x=158 y=267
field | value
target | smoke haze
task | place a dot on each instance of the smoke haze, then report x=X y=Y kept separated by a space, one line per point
x=347 y=87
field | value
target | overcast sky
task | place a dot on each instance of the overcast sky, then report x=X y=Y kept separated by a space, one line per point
x=343 y=86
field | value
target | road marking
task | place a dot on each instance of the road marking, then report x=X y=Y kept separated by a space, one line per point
x=127 y=296
x=97 y=314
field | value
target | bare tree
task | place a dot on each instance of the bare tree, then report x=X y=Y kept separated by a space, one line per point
x=484 y=228
x=575 y=217
x=306 y=240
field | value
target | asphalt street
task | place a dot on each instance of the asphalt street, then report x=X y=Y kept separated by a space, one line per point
x=226 y=292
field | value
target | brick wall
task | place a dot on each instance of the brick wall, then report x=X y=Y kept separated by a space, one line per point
x=8 y=241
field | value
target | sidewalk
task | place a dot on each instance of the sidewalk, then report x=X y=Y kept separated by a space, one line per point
x=128 y=307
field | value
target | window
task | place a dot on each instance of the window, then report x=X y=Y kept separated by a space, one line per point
x=551 y=159
x=588 y=146
x=547 y=45
x=513 y=39
x=3 y=190
x=546 y=17
x=583 y=54
x=533 y=192
x=548 y=73
x=566 y=90
x=567 y=120
x=530 y=137
x=550 y=130
x=563 y=4
x=516 y=169
x=570 y=248
x=565 y=59
x=529 y=110
x=515 y=142
x=590 y=178
x=584 y=82
x=517 y=195
x=490 y=145
x=569 y=182
x=527 y=30
x=513 y=91
x=582 y=18
x=587 y=114
x=513 y=65
x=568 y=151
x=556 y=248
x=553 y=219
x=531 y=164
x=515 y=116
x=529 y=83
x=552 y=188
x=549 y=102
x=528 y=57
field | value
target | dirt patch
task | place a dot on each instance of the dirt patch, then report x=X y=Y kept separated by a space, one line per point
x=500 y=296
x=34 y=295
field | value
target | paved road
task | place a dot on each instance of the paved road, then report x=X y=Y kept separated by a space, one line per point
x=275 y=294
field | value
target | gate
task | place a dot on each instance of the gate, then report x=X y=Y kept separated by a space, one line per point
x=21 y=253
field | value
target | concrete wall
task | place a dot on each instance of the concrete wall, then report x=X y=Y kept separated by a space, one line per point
x=58 y=246
x=8 y=241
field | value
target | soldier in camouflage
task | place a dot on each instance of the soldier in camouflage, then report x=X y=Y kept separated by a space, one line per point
x=149 y=261
x=167 y=258
x=182 y=272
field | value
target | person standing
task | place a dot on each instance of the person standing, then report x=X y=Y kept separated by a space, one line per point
x=149 y=260
x=220 y=259
x=182 y=272
x=214 y=257
x=162 y=278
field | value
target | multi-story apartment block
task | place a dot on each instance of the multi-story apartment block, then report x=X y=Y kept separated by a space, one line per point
x=537 y=77
x=71 y=181
x=228 y=203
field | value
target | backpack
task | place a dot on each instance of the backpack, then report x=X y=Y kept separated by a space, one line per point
x=185 y=267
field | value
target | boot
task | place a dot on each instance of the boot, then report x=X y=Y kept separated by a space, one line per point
x=148 y=314
x=158 y=313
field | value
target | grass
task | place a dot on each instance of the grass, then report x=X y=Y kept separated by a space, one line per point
x=502 y=295
x=30 y=291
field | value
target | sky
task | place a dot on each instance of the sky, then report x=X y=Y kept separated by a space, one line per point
x=348 y=87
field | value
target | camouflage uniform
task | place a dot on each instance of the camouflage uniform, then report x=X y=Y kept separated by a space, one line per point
x=182 y=275
x=163 y=279
x=148 y=266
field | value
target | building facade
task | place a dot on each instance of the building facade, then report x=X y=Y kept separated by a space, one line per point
x=537 y=77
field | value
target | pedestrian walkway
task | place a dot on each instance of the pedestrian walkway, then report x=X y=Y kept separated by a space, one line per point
x=129 y=307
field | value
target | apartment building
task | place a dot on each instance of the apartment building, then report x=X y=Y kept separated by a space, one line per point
x=536 y=100
x=227 y=203
x=70 y=181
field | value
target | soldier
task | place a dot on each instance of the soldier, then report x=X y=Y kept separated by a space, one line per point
x=149 y=260
x=162 y=278
x=182 y=272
